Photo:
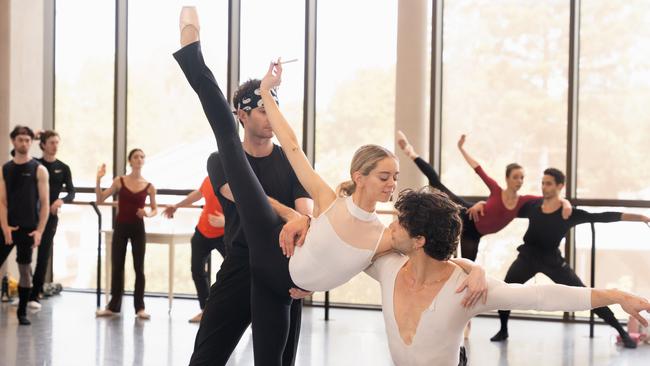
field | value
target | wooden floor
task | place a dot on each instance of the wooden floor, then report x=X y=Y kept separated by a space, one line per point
x=65 y=332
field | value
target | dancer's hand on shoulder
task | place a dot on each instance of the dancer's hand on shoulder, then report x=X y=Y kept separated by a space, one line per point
x=273 y=76
x=477 y=288
x=293 y=234
x=298 y=294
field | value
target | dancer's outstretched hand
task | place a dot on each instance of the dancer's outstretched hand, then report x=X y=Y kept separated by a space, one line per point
x=476 y=285
x=298 y=294
x=404 y=144
x=461 y=141
x=293 y=234
x=273 y=76
x=633 y=305
x=101 y=171
x=475 y=212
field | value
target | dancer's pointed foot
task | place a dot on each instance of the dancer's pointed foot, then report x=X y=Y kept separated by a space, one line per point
x=189 y=25
x=500 y=337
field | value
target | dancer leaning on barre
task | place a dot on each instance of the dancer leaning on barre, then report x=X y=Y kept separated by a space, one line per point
x=345 y=233
x=423 y=319
x=486 y=217
x=132 y=190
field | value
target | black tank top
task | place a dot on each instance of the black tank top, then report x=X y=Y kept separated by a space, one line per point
x=22 y=193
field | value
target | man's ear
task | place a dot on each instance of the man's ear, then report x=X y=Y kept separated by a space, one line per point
x=419 y=241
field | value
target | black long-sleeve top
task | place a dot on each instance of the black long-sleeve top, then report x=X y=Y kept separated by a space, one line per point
x=60 y=175
x=546 y=230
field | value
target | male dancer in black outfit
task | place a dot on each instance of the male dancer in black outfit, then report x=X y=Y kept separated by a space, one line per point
x=24 y=209
x=59 y=176
x=540 y=252
x=227 y=312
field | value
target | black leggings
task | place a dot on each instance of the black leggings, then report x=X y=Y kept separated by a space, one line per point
x=44 y=254
x=557 y=269
x=123 y=232
x=470 y=237
x=270 y=279
x=201 y=249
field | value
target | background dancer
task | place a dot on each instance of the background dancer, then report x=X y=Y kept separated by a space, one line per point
x=24 y=209
x=208 y=235
x=540 y=252
x=60 y=176
x=486 y=217
x=132 y=190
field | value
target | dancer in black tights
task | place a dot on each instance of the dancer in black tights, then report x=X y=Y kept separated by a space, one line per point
x=540 y=252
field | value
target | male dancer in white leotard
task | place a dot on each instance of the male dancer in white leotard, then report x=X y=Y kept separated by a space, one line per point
x=423 y=316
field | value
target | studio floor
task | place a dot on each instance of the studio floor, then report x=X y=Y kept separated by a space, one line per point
x=65 y=332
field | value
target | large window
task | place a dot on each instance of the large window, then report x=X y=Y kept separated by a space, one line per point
x=505 y=86
x=355 y=97
x=84 y=77
x=164 y=116
x=504 y=83
x=75 y=258
x=264 y=38
x=614 y=126
x=622 y=250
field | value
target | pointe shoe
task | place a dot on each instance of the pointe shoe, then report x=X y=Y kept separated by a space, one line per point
x=196 y=318
x=189 y=18
x=142 y=315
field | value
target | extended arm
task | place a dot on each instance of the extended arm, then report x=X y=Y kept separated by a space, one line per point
x=468 y=158
x=188 y=200
x=322 y=194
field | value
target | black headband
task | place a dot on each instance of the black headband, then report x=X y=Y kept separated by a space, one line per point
x=253 y=100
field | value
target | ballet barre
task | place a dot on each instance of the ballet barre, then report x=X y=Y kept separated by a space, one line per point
x=170 y=239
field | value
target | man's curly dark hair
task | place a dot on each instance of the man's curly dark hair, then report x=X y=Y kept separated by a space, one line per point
x=431 y=214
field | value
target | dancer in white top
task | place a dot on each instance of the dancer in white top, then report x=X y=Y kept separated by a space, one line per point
x=422 y=313
x=346 y=232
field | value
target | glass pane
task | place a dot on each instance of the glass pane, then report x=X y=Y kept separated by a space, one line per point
x=75 y=244
x=258 y=18
x=498 y=251
x=164 y=116
x=505 y=86
x=75 y=251
x=622 y=251
x=84 y=74
x=355 y=97
x=614 y=127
